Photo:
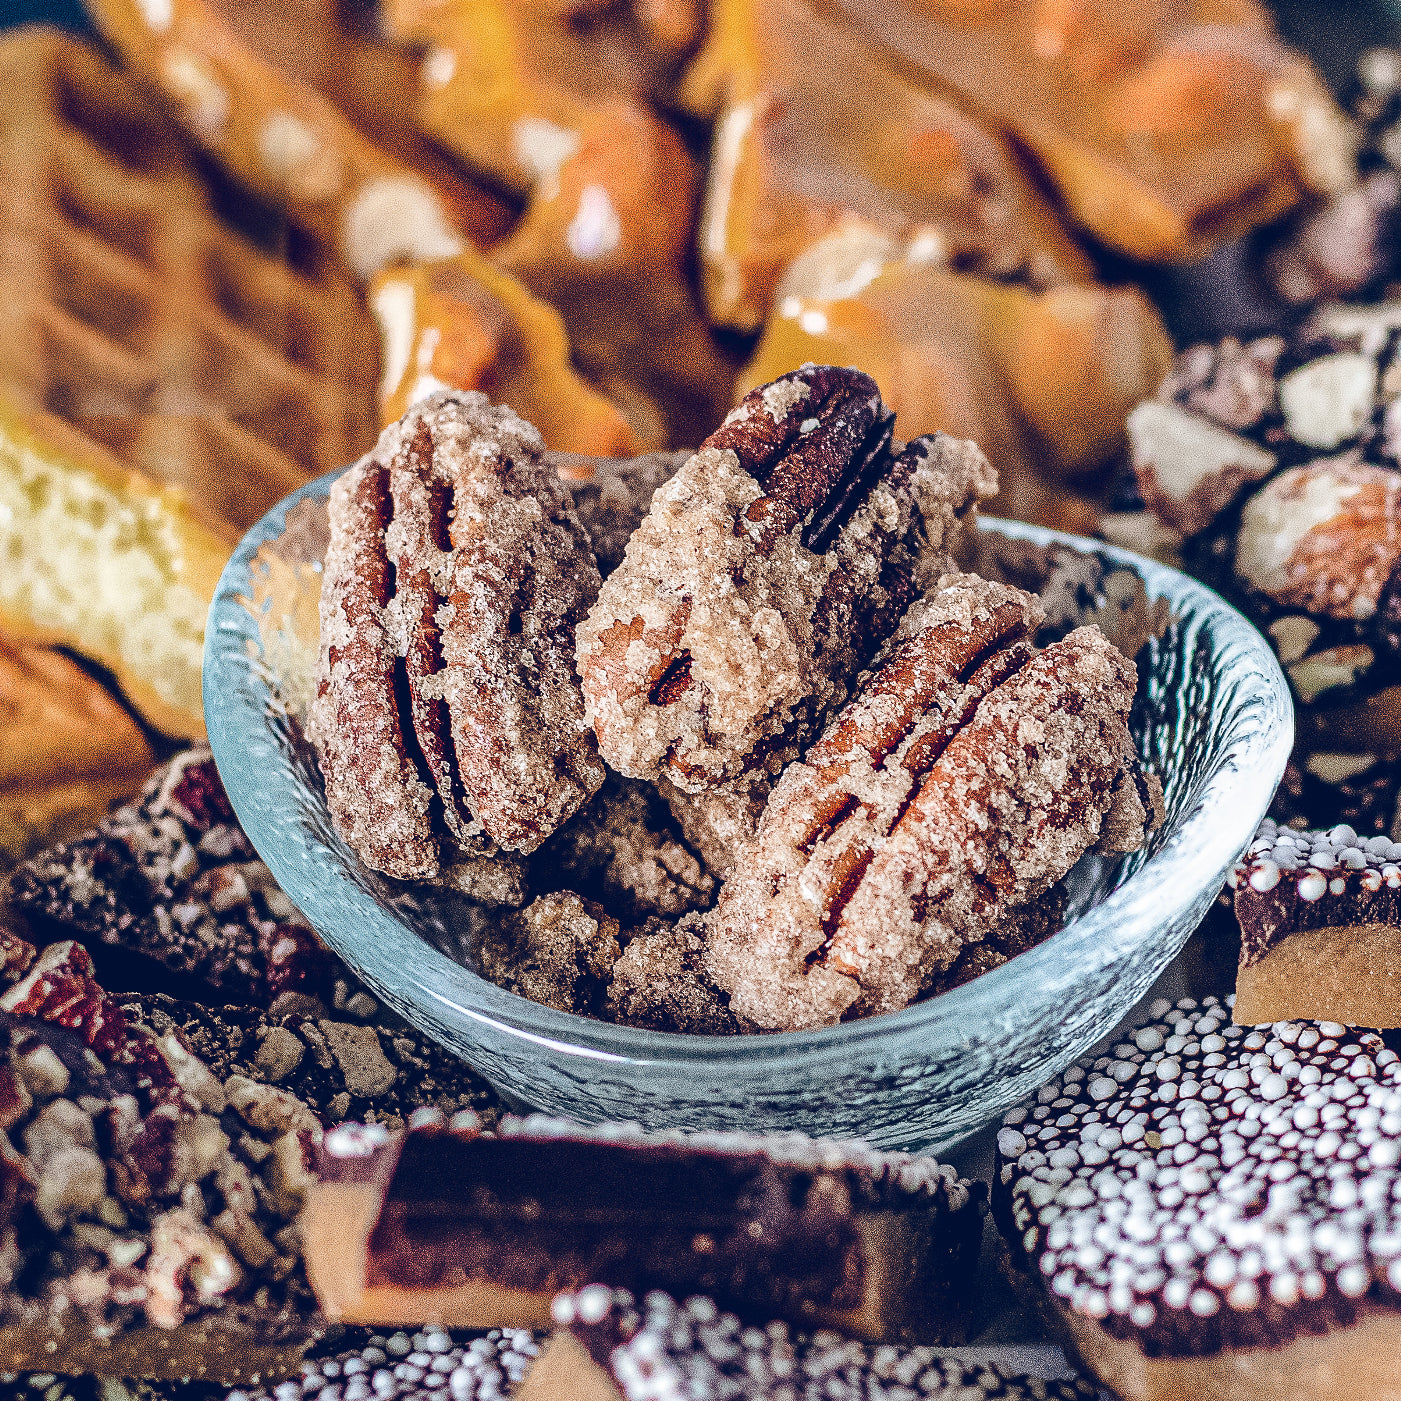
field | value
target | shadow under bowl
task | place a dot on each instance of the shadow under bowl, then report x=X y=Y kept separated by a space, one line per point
x=1212 y=718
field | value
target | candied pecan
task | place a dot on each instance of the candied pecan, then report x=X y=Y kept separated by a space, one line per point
x=447 y=710
x=964 y=780
x=768 y=571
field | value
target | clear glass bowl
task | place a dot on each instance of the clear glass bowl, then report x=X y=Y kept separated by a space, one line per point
x=1213 y=719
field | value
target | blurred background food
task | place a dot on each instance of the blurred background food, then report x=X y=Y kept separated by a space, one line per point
x=237 y=238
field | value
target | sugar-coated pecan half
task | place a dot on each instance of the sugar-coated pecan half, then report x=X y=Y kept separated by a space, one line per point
x=447 y=713
x=768 y=571
x=966 y=778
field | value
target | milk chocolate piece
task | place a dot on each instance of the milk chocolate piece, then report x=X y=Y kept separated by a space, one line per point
x=1320 y=918
x=823 y=1233
x=612 y=1347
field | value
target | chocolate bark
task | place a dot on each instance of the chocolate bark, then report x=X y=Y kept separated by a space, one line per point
x=340 y=1069
x=818 y=1232
x=1275 y=466
x=172 y=886
x=145 y=1209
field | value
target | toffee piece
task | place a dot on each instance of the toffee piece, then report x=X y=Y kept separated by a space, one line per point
x=609 y=1346
x=1214 y=1211
x=1320 y=921
x=476 y=1230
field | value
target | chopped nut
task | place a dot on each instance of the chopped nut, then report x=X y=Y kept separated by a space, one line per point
x=73 y=1181
x=279 y=1053
x=1324 y=537
x=1292 y=637
x=289 y=1174
x=360 y=1057
x=269 y=1109
x=184 y=1252
x=1328 y=400
x=1325 y=670
x=192 y=1075
x=59 y=1125
x=1189 y=469
x=42 y=1071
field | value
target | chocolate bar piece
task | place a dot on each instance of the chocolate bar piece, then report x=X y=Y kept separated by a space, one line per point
x=474 y=1230
x=173 y=885
x=612 y=1347
x=146 y=1210
x=1320 y=920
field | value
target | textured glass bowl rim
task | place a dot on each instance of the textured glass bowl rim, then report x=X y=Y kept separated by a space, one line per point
x=390 y=954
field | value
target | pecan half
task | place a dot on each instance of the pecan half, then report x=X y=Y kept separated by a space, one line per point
x=768 y=571
x=965 y=779
x=447 y=714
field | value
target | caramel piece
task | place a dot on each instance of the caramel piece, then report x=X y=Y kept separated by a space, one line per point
x=282 y=140
x=461 y=323
x=554 y=107
x=1041 y=380
x=814 y=1231
x=1320 y=918
x=1161 y=134
x=801 y=154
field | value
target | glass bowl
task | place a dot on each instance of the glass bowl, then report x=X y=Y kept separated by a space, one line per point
x=1212 y=718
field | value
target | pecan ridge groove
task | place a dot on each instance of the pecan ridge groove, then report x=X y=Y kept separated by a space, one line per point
x=447 y=712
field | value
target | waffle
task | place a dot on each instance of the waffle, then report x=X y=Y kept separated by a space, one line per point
x=151 y=357
x=137 y=315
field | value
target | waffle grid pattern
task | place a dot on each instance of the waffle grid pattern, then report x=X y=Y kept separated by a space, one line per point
x=130 y=310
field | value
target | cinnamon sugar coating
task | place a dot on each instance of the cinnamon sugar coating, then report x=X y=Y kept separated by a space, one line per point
x=767 y=573
x=965 y=779
x=447 y=713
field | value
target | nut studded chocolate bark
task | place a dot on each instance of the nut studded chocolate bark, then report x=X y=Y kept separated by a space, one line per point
x=1276 y=462
x=146 y=1216
x=766 y=574
x=173 y=886
x=478 y=1230
x=1320 y=920
x=965 y=779
x=380 y=1072
x=1214 y=1211
x=609 y=1346
x=447 y=713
